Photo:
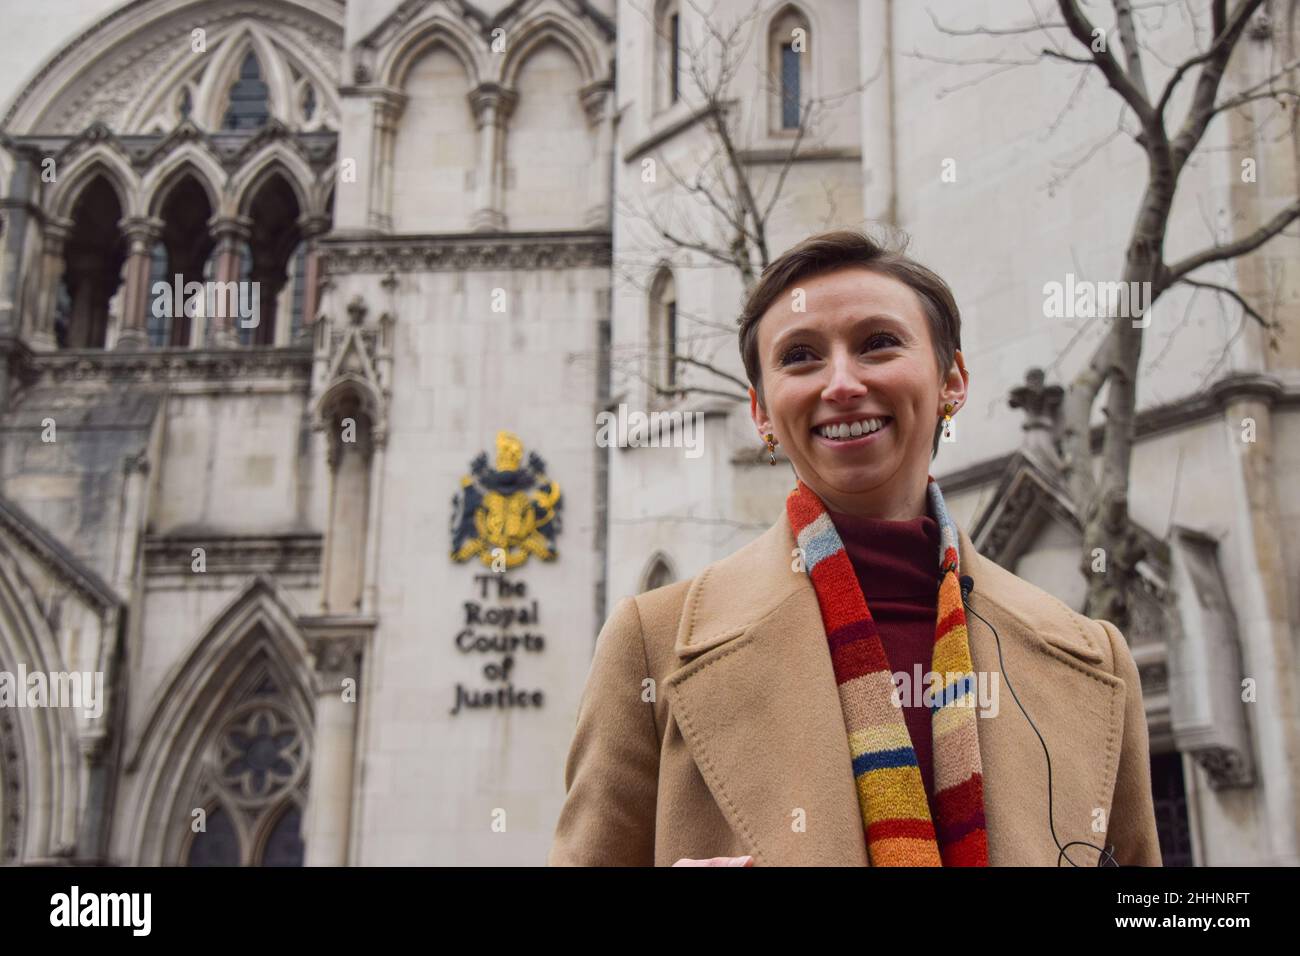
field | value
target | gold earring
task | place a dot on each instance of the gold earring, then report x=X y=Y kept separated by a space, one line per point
x=771 y=449
x=947 y=419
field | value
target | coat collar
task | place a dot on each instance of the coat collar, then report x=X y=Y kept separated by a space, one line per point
x=755 y=697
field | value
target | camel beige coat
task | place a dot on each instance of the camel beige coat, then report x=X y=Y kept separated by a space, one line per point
x=710 y=725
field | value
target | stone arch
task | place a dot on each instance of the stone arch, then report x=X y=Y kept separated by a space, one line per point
x=83 y=287
x=272 y=199
x=663 y=326
x=183 y=246
x=549 y=143
x=658 y=572
x=99 y=160
x=348 y=411
x=346 y=387
x=253 y=798
x=419 y=39
x=662 y=56
x=119 y=51
x=784 y=17
x=224 y=71
x=182 y=72
x=549 y=27
x=12 y=797
x=793 y=8
x=210 y=82
x=43 y=779
x=273 y=159
x=187 y=159
x=437 y=74
x=255 y=635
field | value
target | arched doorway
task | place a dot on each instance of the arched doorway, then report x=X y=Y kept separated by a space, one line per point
x=92 y=272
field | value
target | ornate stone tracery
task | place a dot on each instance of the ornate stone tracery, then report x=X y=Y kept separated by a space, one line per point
x=128 y=72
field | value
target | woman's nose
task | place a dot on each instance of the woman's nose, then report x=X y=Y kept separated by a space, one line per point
x=845 y=380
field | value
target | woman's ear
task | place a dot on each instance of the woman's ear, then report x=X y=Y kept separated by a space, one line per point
x=956 y=382
x=756 y=412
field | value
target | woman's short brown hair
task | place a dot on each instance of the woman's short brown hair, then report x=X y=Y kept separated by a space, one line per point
x=829 y=251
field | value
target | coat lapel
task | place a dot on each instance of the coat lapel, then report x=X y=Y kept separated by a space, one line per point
x=1058 y=673
x=755 y=698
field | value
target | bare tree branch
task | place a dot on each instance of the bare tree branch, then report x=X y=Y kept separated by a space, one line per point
x=709 y=367
x=1202 y=110
x=1119 y=81
x=1272 y=327
x=1132 y=50
x=1249 y=94
x=1231 y=250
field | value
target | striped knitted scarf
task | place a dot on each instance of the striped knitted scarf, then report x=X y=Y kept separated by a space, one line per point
x=895 y=812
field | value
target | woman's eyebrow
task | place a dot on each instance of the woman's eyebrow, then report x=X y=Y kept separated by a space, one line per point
x=874 y=318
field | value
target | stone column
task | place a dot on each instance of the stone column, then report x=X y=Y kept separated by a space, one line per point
x=92 y=828
x=312 y=227
x=1262 y=605
x=370 y=592
x=386 y=110
x=596 y=101
x=269 y=280
x=141 y=234
x=16 y=209
x=329 y=797
x=56 y=236
x=492 y=105
x=230 y=233
x=877 y=105
x=351 y=505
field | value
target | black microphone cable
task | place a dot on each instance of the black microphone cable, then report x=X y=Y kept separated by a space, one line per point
x=1106 y=855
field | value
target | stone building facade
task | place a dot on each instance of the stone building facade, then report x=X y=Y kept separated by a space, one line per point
x=340 y=560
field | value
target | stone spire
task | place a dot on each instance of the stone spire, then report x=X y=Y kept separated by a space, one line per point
x=1041 y=404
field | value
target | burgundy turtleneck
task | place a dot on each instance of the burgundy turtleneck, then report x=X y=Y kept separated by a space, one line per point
x=897 y=564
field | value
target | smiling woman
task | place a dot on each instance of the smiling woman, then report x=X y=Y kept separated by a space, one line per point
x=788 y=726
x=857 y=354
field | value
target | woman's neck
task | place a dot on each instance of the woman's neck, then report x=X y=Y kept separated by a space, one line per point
x=880 y=504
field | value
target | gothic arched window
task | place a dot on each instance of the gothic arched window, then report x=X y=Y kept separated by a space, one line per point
x=249 y=801
x=275 y=238
x=249 y=98
x=158 y=321
x=298 y=294
x=663 y=330
x=94 y=256
x=790 y=68
x=187 y=245
x=667 y=57
x=659 y=574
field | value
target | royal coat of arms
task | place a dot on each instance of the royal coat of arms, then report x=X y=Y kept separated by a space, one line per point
x=508 y=507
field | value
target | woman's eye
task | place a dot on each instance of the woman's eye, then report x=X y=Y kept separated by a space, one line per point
x=883 y=339
x=795 y=353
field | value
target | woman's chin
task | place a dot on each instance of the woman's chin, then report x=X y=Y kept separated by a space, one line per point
x=855 y=464
x=851 y=479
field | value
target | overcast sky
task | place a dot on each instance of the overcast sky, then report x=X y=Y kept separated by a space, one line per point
x=31 y=31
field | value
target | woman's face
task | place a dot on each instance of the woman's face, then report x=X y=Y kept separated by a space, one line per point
x=860 y=351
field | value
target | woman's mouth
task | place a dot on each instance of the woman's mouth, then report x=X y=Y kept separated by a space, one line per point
x=852 y=434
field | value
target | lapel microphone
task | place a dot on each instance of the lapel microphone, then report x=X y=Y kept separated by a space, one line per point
x=1106 y=856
